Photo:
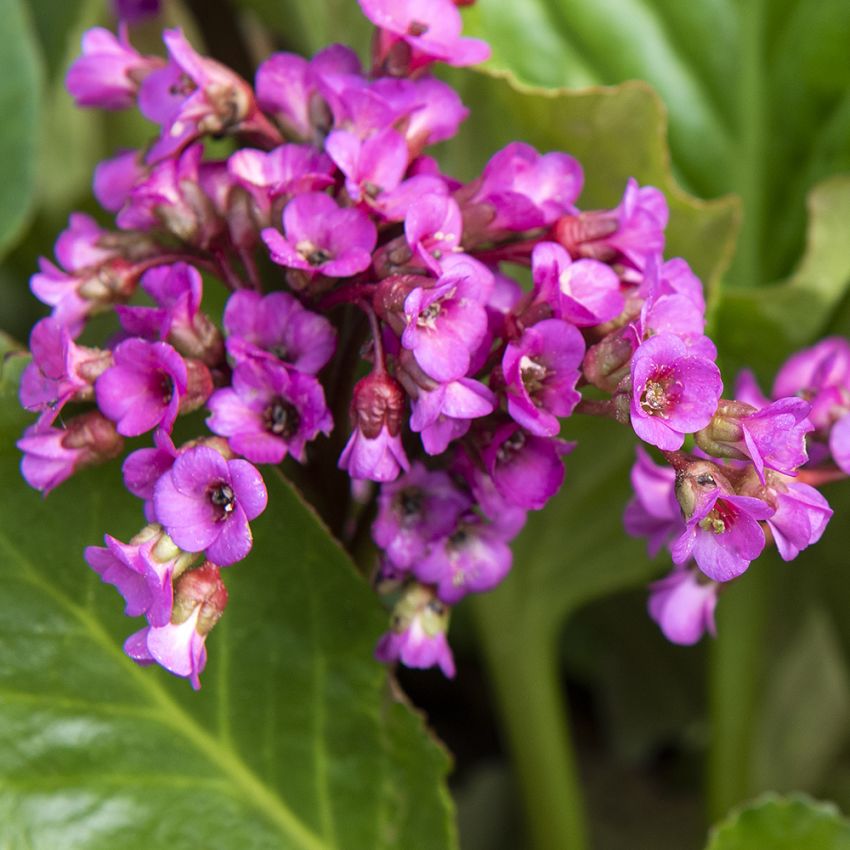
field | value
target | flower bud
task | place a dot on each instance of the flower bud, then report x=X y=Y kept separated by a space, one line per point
x=200 y=588
x=721 y=435
x=607 y=363
x=199 y=386
x=694 y=481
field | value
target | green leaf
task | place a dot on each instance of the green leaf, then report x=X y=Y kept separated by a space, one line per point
x=758 y=92
x=752 y=319
x=20 y=97
x=783 y=823
x=295 y=742
x=593 y=125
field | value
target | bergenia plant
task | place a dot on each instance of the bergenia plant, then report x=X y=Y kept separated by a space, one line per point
x=411 y=344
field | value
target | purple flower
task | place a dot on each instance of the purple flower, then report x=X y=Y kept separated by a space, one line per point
x=775 y=436
x=291 y=89
x=170 y=197
x=370 y=166
x=801 y=517
x=526 y=470
x=415 y=510
x=199 y=601
x=205 y=503
x=525 y=189
x=673 y=392
x=193 y=96
x=443 y=414
x=60 y=371
x=629 y=235
x=446 y=323
x=374 y=449
x=541 y=369
x=144 y=388
x=142 y=571
x=722 y=532
x=584 y=292
x=748 y=391
x=177 y=290
x=115 y=178
x=52 y=455
x=654 y=511
x=144 y=467
x=430 y=29
x=269 y=412
x=277 y=326
x=839 y=443
x=683 y=605
x=433 y=110
x=433 y=228
x=88 y=278
x=418 y=634
x=279 y=174
x=820 y=375
x=474 y=558
x=109 y=72
x=322 y=238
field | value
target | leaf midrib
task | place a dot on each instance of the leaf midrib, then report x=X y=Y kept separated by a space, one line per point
x=254 y=791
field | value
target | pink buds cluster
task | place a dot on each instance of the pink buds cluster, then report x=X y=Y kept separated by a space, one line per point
x=467 y=375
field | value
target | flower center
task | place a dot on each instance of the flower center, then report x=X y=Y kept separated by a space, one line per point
x=720 y=518
x=428 y=316
x=660 y=393
x=313 y=254
x=222 y=496
x=532 y=374
x=166 y=387
x=409 y=505
x=282 y=418
x=511 y=447
x=416 y=28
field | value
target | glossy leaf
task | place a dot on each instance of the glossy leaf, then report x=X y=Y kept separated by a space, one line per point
x=295 y=740
x=20 y=95
x=592 y=125
x=783 y=823
x=757 y=91
x=761 y=325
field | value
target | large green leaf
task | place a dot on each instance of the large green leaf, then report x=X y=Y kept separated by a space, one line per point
x=757 y=91
x=615 y=133
x=295 y=740
x=783 y=823
x=20 y=96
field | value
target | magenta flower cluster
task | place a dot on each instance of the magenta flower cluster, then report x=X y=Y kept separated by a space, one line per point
x=361 y=276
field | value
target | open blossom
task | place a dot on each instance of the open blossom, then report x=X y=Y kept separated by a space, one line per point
x=322 y=238
x=584 y=292
x=52 y=455
x=371 y=166
x=142 y=571
x=60 y=370
x=722 y=532
x=673 y=392
x=269 y=411
x=143 y=389
x=474 y=558
x=541 y=369
x=205 y=503
x=801 y=516
x=434 y=227
x=444 y=414
x=430 y=29
x=447 y=322
x=194 y=95
x=526 y=470
x=417 y=637
x=523 y=189
x=277 y=326
x=179 y=645
x=109 y=72
x=415 y=510
x=683 y=605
